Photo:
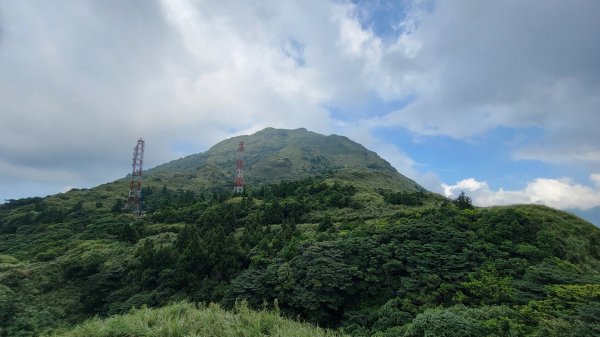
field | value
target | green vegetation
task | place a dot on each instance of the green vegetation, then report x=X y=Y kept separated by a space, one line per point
x=327 y=252
x=185 y=319
x=275 y=154
x=354 y=257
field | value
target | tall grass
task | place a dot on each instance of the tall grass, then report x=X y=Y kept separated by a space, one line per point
x=186 y=319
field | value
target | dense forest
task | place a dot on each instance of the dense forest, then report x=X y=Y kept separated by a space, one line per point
x=365 y=262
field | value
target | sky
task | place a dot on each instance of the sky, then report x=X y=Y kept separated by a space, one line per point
x=500 y=99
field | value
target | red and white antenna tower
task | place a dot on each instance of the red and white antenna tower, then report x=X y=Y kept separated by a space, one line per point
x=135 y=184
x=238 y=182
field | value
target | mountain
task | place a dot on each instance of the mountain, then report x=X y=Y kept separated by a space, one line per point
x=272 y=155
x=326 y=233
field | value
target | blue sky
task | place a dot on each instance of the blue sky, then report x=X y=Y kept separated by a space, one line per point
x=487 y=156
x=499 y=99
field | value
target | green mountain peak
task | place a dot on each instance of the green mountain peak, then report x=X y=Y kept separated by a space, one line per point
x=272 y=155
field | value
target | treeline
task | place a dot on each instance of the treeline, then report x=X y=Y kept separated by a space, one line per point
x=282 y=202
x=404 y=197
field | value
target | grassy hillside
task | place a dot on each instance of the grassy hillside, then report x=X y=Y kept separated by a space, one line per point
x=185 y=319
x=275 y=154
x=362 y=261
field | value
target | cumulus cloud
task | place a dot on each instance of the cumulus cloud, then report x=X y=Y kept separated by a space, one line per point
x=596 y=179
x=559 y=193
x=508 y=64
x=79 y=83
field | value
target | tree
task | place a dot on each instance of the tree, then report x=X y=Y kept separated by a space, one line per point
x=129 y=234
x=118 y=207
x=444 y=323
x=192 y=264
x=325 y=224
x=463 y=201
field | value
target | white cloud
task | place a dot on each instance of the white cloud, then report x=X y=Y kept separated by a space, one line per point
x=79 y=83
x=596 y=179
x=559 y=193
x=560 y=153
x=470 y=185
x=508 y=64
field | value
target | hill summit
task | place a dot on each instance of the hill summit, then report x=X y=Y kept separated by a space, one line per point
x=273 y=155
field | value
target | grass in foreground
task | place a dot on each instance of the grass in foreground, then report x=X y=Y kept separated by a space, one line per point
x=186 y=319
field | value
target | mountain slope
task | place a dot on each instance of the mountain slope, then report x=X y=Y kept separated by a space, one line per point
x=275 y=154
x=332 y=248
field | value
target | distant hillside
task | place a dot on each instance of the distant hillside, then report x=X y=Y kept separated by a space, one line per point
x=275 y=154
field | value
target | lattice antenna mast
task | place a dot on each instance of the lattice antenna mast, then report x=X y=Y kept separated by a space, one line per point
x=135 y=184
x=238 y=182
